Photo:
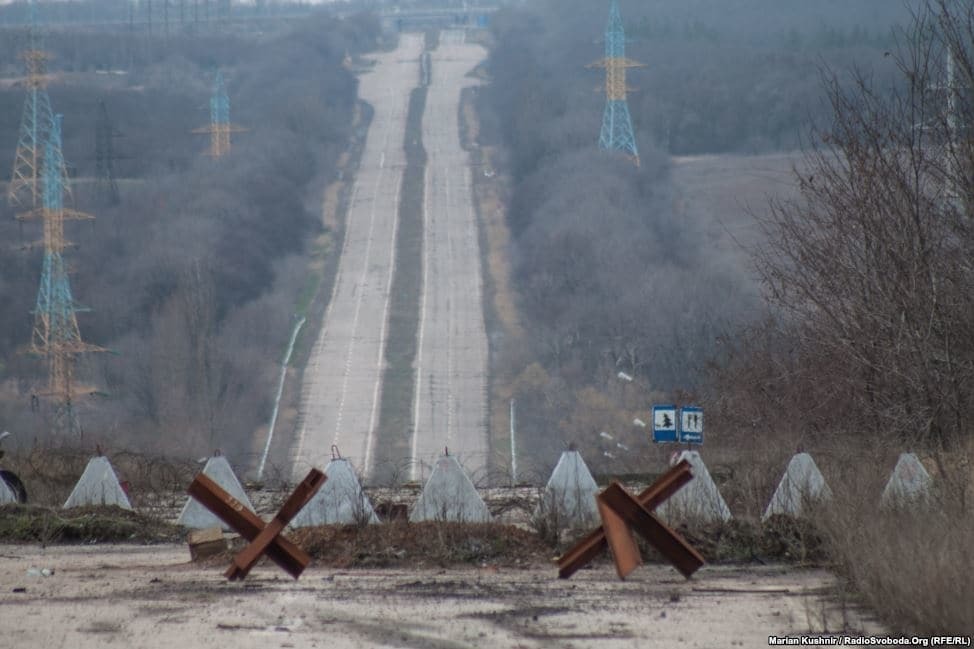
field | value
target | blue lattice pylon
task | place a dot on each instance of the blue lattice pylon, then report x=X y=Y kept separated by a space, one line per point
x=24 y=189
x=616 y=133
x=56 y=336
x=220 y=126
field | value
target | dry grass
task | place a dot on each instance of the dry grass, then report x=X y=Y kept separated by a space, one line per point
x=50 y=473
x=911 y=564
x=416 y=545
x=33 y=524
x=490 y=198
x=401 y=346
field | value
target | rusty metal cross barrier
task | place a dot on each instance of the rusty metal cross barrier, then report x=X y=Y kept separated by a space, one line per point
x=622 y=512
x=265 y=538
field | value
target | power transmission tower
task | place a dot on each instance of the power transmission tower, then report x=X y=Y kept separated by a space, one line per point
x=220 y=126
x=35 y=123
x=55 y=335
x=616 y=134
x=105 y=157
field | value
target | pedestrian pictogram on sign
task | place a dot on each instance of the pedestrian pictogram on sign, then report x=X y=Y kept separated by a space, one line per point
x=691 y=425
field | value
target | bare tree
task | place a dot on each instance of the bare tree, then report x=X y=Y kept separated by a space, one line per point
x=870 y=268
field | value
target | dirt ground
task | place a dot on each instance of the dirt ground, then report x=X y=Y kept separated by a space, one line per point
x=152 y=596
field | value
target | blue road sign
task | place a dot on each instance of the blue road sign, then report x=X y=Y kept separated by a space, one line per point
x=691 y=425
x=664 y=424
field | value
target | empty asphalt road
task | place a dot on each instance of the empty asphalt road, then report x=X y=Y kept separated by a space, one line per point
x=450 y=390
x=343 y=379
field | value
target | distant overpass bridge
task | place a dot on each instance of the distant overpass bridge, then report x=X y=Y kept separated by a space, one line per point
x=402 y=20
x=393 y=17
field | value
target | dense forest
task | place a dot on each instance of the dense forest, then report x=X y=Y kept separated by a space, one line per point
x=611 y=277
x=194 y=277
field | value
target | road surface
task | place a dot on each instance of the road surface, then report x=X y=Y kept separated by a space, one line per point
x=343 y=379
x=450 y=389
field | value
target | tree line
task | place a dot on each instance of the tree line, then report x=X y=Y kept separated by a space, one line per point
x=193 y=279
x=611 y=277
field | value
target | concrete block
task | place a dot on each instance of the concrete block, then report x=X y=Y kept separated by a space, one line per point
x=449 y=495
x=801 y=484
x=569 y=496
x=908 y=483
x=195 y=515
x=699 y=499
x=206 y=543
x=340 y=501
x=98 y=485
x=7 y=494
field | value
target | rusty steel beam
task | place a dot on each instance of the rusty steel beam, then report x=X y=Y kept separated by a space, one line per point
x=625 y=552
x=292 y=559
x=247 y=558
x=670 y=544
x=650 y=498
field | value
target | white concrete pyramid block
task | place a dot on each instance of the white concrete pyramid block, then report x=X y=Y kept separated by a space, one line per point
x=339 y=501
x=569 y=496
x=699 y=499
x=7 y=494
x=449 y=496
x=98 y=485
x=801 y=484
x=909 y=481
x=195 y=515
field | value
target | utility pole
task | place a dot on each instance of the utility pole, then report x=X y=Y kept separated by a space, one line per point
x=105 y=157
x=513 y=447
